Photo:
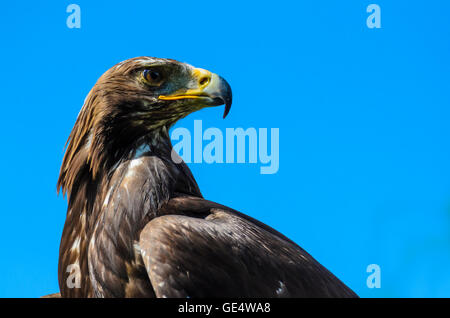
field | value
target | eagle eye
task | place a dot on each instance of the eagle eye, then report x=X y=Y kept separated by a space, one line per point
x=152 y=77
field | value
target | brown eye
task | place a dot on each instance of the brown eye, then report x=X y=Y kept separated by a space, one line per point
x=152 y=77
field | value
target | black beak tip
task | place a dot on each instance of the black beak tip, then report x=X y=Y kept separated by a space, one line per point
x=227 y=97
x=227 y=108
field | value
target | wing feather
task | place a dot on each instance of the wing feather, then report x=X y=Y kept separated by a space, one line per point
x=202 y=249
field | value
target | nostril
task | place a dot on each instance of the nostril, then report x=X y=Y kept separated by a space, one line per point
x=204 y=81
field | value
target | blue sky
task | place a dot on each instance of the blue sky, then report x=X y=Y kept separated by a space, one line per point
x=363 y=116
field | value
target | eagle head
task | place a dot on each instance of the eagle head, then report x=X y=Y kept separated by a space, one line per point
x=157 y=92
x=133 y=100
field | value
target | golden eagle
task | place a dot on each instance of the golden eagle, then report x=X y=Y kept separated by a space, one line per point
x=137 y=224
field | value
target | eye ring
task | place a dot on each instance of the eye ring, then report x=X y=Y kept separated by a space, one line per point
x=152 y=77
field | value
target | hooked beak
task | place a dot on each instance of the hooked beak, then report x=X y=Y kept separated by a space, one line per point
x=210 y=88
